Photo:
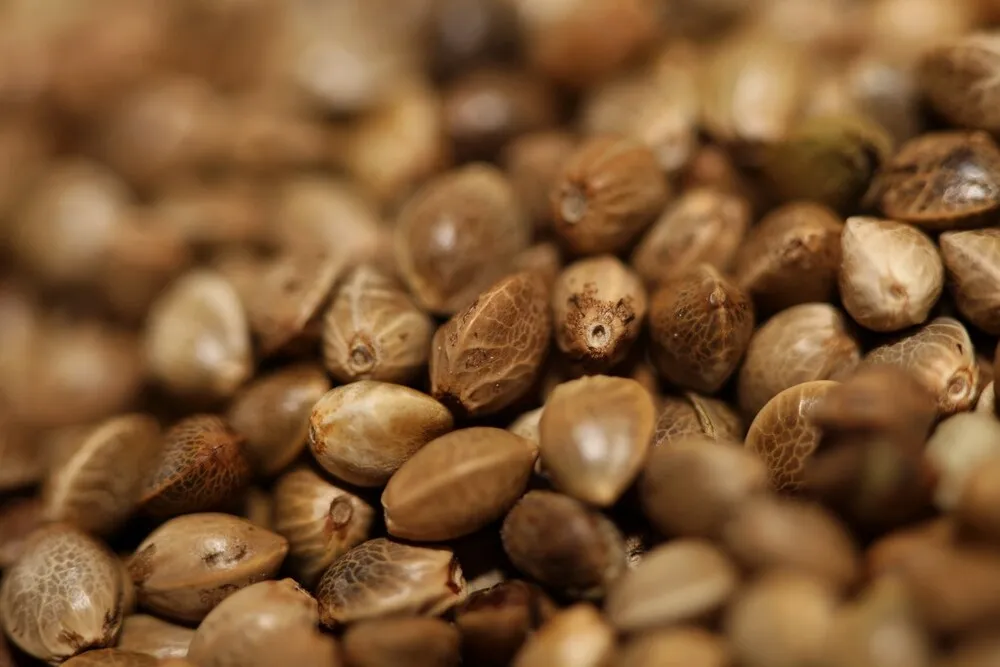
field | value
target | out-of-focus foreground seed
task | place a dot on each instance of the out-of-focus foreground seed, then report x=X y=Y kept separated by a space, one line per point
x=577 y=636
x=402 y=642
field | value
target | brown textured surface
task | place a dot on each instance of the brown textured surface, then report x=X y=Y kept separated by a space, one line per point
x=693 y=414
x=495 y=622
x=402 y=642
x=487 y=356
x=112 y=657
x=973 y=262
x=959 y=79
x=142 y=633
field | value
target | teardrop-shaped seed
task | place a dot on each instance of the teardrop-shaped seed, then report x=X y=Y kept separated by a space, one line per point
x=364 y=431
x=63 y=596
x=973 y=262
x=386 y=578
x=693 y=414
x=402 y=642
x=595 y=433
x=191 y=563
x=149 y=635
x=113 y=657
x=457 y=484
x=577 y=636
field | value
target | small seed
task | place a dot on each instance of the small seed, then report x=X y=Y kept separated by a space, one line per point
x=112 y=657
x=684 y=645
x=973 y=262
x=402 y=642
x=959 y=80
x=958 y=447
x=574 y=637
x=533 y=163
x=364 y=431
x=527 y=426
x=692 y=414
x=152 y=636
x=494 y=623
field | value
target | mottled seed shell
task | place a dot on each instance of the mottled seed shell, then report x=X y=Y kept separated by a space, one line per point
x=98 y=486
x=577 y=636
x=495 y=622
x=386 y=578
x=973 y=262
x=783 y=434
x=320 y=521
x=891 y=274
x=684 y=645
x=458 y=235
x=560 y=542
x=63 y=596
x=692 y=414
x=373 y=330
x=595 y=433
x=940 y=355
x=200 y=312
x=402 y=642
x=112 y=657
x=362 y=432
x=202 y=466
x=152 y=636
x=19 y=518
x=700 y=326
x=191 y=563
x=960 y=81
x=803 y=343
x=703 y=225
x=609 y=191
x=598 y=306
x=489 y=355
x=272 y=414
x=457 y=484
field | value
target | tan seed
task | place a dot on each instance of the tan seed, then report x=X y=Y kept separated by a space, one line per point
x=689 y=646
x=527 y=425
x=693 y=414
x=575 y=637
x=978 y=506
x=402 y=642
x=960 y=445
x=958 y=78
x=112 y=657
x=973 y=262
x=152 y=636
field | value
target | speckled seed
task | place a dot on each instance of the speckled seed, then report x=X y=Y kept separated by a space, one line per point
x=693 y=485
x=562 y=543
x=189 y=564
x=113 y=657
x=681 y=581
x=609 y=191
x=19 y=518
x=372 y=330
x=273 y=413
x=703 y=225
x=320 y=521
x=598 y=307
x=783 y=434
x=700 y=326
x=792 y=256
x=891 y=274
x=458 y=235
x=940 y=355
x=489 y=355
x=402 y=642
x=202 y=465
x=235 y=632
x=63 y=596
x=690 y=646
x=152 y=636
x=198 y=337
x=811 y=341
x=973 y=262
x=98 y=486
x=362 y=432
x=495 y=622
x=959 y=445
x=457 y=484
x=575 y=637
x=692 y=414
x=959 y=79
x=595 y=433
x=386 y=578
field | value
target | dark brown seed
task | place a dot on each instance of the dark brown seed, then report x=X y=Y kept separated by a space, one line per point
x=610 y=190
x=402 y=642
x=19 y=518
x=489 y=355
x=684 y=645
x=494 y=623
x=973 y=262
x=202 y=466
x=577 y=636
x=700 y=325
x=692 y=414
x=959 y=80
x=152 y=636
x=533 y=163
x=23 y=460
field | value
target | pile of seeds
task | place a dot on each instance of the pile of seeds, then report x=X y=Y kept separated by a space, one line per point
x=544 y=333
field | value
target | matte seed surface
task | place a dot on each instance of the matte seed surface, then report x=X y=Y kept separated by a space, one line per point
x=973 y=261
x=402 y=642
x=151 y=636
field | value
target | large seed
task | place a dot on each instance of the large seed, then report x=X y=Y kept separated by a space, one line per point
x=402 y=642
x=575 y=637
x=188 y=565
x=595 y=433
x=364 y=431
x=495 y=622
x=152 y=636
x=692 y=414
x=973 y=262
x=457 y=484
x=959 y=79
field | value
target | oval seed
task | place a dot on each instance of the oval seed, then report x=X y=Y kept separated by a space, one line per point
x=577 y=636
x=152 y=636
x=692 y=414
x=973 y=262
x=402 y=642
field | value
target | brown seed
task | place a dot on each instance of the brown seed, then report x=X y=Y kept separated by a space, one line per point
x=562 y=543
x=200 y=311
x=457 y=236
x=19 y=518
x=386 y=578
x=63 y=596
x=543 y=259
x=978 y=650
x=598 y=307
x=959 y=445
x=574 y=637
x=611 y=188
x=941 y=356
x=811 y=341
x=489 y=355
x=457 y=484
x=700 y=325
x=402 y=642
x=595 y=433
x=533 y=162
x=22 y=461
x=364 y=431
x=681 y=581
x=373 y=330
x=959 y=80
x=272 y=413
x=792 y=256
x=693 y=485
x=112 y=657
x=191 y=563
x=979 y=504
x=202 y=466
x=891 y=274
x=703 y=225
x=98 y=486
x=942 y=180
x=692 y=414
x=987 y=401
x=494 y=623
x=684 y=645
x=527 y=425
x=152 y=636
x=320 y=521
x=973 y=261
